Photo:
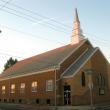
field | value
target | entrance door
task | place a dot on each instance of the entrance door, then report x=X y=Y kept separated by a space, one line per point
x=67 y=95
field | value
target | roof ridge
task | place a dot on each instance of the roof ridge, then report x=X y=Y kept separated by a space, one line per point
x=82 y=42
x=33 y=58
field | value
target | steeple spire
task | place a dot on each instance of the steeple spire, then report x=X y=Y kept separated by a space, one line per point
x=76 y=18
x=77 y=35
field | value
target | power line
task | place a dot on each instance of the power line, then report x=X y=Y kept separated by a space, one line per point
x=99 y=39
x=35 y=13
x=42 y=16
x=35 y=35
x=96 y=37
x=40 y=37
x=5 y=4
x=28 y=15
x=51 y=26
x=6 y=54
x=30 y=34
x=31 y=19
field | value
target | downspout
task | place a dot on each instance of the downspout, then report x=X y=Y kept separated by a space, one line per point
x=55 y=86
x=9 y=91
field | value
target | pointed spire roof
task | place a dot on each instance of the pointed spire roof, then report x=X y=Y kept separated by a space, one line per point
x=77 y=31
x=76 y=18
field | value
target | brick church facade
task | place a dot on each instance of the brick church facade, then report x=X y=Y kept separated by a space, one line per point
x=73 y=74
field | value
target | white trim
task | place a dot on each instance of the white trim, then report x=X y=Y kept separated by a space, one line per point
x=74 y=62
x=73 y=51
x=29 y=74
x=47 y=82
x=81 y=65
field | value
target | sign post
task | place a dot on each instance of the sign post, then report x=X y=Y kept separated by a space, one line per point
x=90 y=84
x=91 y=88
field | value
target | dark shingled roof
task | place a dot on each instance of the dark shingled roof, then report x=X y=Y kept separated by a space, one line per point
x=40 y=62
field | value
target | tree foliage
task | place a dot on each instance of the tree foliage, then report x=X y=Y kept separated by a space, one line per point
x=10 y=63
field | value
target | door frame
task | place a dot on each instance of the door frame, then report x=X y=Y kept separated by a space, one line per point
x=67 y=95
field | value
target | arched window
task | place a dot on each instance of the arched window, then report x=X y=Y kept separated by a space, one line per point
x=101 y=80
x=83 y=81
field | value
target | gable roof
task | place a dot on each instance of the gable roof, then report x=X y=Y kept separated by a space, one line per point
x=44 y=61
x=73 y=68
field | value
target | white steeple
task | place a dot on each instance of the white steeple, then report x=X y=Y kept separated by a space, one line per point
x=77 y=35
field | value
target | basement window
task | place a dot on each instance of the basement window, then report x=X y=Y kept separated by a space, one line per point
x=48 y=101
x=13 y=100
x=20 y=100
x=37 y=101
x=5 y=100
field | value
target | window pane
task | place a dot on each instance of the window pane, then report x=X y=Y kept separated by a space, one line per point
x=22 y=85
x=3 y=89
x=49 y=85
x=12 y=88
x=22 y=88
x=34 y=86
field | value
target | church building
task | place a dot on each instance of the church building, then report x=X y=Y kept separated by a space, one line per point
x=74 y=74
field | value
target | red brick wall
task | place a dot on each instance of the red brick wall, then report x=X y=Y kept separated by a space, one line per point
x=40 y=94
x=100 y=65
x=81 y=95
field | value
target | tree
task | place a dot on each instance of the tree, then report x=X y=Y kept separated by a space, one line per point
x=10 y=63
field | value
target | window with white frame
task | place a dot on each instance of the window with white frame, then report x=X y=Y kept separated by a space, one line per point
x=34 y=86
x=3 y=89
x=49 y=85
x=22 y=88
x=12 y=88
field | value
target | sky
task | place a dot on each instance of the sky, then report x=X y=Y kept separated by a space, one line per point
x=31 y=27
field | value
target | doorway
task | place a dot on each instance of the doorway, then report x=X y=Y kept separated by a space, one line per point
x=67 y=95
